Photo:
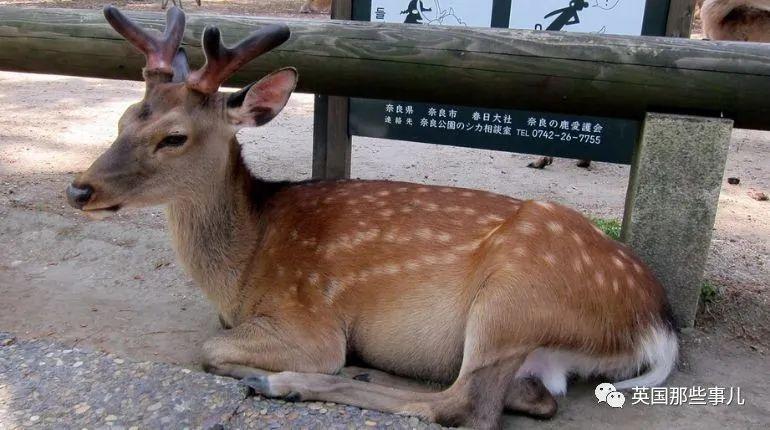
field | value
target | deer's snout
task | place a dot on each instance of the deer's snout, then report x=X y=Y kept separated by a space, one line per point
x=79 y=195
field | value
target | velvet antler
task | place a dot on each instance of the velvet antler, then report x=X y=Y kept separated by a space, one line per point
x=160 y=50
x=222 y=62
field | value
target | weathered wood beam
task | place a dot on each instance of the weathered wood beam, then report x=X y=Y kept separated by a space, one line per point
x=562 y=72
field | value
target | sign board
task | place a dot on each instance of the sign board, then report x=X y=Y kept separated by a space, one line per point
x=564 y=135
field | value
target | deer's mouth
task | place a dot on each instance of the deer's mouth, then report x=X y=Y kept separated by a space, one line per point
x=101 y=213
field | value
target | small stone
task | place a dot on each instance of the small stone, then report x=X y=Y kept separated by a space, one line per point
x=82 y=408
x=110 y=418
x=118 y=361
x=185 y=370
x=413 y=421
x=78 y=364
x=757 y=195
x=323 y=410
x=34 y=418
x=370 y=423
x=733 y=181
x=9 y=341
x=155 y=407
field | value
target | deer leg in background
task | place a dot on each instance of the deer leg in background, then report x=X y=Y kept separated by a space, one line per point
x=541 y=163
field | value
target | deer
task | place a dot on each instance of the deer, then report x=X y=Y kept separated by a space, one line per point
x=350 y=291
x=739 y=20
x=316 y=6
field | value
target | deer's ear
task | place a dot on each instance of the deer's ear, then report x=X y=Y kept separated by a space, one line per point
x=261 y=101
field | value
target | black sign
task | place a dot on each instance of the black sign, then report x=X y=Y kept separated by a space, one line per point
x=600 y=139
x=564 y=135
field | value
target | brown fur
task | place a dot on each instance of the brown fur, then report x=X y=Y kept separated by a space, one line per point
x=445 y=284
x=316 y=6
x=741 y=20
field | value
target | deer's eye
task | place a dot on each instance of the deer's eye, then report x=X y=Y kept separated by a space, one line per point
x=172 y=141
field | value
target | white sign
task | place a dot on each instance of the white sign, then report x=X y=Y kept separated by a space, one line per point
x=587 y=16
x=475 y=13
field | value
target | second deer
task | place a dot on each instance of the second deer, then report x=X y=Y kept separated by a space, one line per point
x=496 y=299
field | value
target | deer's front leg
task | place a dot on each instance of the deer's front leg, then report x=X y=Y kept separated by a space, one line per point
x=288 y=342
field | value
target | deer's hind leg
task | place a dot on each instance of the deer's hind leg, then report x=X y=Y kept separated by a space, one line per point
x=527 y=395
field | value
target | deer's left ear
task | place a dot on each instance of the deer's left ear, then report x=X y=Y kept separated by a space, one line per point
x=261 y=101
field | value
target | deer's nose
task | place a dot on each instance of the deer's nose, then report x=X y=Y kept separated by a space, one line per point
x=79 y=195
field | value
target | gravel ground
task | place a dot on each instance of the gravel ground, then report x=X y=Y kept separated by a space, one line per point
x=46 y=385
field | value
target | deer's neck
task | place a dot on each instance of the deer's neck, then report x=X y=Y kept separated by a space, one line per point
x=216 y=234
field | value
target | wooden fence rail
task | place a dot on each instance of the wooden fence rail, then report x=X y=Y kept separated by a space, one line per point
x=615 y=76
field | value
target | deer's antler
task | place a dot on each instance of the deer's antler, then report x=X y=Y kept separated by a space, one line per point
x=222 y=62
x=159 y=50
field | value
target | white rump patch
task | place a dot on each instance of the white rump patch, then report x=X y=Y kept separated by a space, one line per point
x=656 y=352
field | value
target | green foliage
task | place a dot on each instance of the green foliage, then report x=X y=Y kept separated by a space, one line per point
x=611 y=227
x=708 y=292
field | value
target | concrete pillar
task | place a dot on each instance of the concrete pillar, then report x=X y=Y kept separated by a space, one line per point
x=672 y=201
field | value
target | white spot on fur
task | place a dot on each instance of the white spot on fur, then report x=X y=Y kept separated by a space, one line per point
x=333 y=288
x=549 y=258
x=424 y=233
x=387 y=213
x=599 y=276
x=618 y=263
x=554 y=227
x=383 y=193
x=576 y=237
x=586 y=258
x=519 y=252
x=469 y=211
x=467 y=194
x=314 y=278
x=447 y=190
x=545 y=205
x=423 y=190
x=406 y=209
x=526 y=228
x=401 y=190
x=412 y=265
x=578 y=265
x=444 y=237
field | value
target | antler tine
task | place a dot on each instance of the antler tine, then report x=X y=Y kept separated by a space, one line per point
x=159 y=50
x=222 y=62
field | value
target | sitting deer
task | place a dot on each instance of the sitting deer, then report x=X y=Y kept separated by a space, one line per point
x=741 y=20
x=499 y=300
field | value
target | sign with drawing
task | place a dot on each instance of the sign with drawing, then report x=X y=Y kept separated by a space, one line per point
x=557 y=134
x=476 y=13
x=587 y=16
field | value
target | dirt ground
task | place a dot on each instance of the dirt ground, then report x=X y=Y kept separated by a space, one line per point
x=114 y=285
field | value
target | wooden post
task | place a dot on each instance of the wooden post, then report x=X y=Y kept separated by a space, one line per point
x=332 y=143
x=680 y=15
x=672 y=198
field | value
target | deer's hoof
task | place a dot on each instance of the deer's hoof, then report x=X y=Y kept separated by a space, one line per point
x=256 y=385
